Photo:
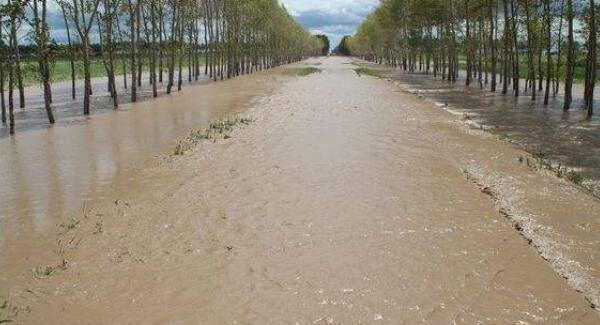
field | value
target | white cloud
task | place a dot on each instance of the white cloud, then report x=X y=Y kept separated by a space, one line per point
x=335 y=18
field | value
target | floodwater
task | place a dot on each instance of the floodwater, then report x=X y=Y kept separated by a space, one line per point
x=567 y=138
x=343 y=202
x=48 y=172
x=69 y=111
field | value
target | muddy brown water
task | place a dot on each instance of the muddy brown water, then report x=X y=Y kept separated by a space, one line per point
x=567 y=138
x=345 y=201
x=43 y=166
x=69 y=111
x=48 y=173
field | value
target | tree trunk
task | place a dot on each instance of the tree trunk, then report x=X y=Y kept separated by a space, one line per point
x=18 y=72
x=123 y=56
x=570 y=57
x=153 y=59
x=107 y=45
x=172 y=50
x=531 y=68
x=11 y=100
x=71 y=54
x=548 y=50
x=2 y=63
x=138 y=26
x=505 y=50
x=591 y=60
x=161 y=25
x=132 y=22
x=468 y=44
x=559 y=48
x=516 y=75
x=41 y=29
x=492 y=4
x=86 y=77
x=181 y=51
x=11 y=82
x=2 y=99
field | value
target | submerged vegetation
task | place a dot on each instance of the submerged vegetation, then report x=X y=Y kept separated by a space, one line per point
x=542 y=161
x=4 y=311
x=219 y=129
x=43 y=271
x=497 y=43
x=217 y=38
x=363 y=70
x=302 y=72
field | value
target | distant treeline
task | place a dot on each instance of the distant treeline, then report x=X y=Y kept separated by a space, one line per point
x=325 y=44
x=229 y=37
x=496 y=42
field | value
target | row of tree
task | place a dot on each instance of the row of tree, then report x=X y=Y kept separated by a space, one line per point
x=325 y=45
x=495 y=42
x=232 y=37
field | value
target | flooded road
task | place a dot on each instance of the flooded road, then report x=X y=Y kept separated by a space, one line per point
x=48 y=174
x=52 y=170
x=567 y=138
x=345 y=201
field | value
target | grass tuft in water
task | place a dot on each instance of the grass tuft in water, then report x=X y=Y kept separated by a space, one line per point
x=72 y=224
x=362 y=70
x=99 y=227
x=5 y=311
x=303 y=72
x=218 y=129
x=574 y=177
x=542 y=161
x=43 y=271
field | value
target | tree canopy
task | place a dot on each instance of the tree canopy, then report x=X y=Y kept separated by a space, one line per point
x=344 y=47
x=325 y=45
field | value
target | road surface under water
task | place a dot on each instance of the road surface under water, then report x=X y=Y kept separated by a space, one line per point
x=567 y=138
x=345 y=201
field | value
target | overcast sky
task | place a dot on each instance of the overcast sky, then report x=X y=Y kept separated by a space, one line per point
x=335 y=18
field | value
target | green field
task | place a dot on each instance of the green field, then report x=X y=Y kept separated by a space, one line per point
x=61 y=70
x=579 y=74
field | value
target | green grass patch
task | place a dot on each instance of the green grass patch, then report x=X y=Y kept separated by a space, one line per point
x=61 y=69
x=303 y=72
x=362 y=70
x=578 y=74
x=4 y=311
x=574 y=177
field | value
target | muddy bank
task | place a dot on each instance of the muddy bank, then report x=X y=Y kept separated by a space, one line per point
x=344 y=201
